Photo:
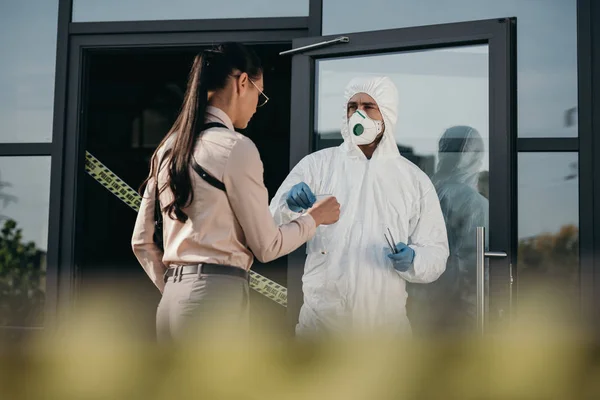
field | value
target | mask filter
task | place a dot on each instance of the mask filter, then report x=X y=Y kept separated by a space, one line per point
x=364 y=130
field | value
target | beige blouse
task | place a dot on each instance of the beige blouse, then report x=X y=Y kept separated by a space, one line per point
x=222 y=228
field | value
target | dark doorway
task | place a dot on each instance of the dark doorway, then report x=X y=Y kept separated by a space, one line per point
x=131 y=99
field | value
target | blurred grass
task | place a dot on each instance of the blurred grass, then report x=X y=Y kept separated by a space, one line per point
x=99 y=354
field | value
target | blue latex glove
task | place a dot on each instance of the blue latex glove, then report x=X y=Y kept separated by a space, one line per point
x=403 y=258
x=300 y=197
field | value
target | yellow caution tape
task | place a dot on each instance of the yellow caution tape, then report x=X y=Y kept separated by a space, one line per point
x=129 y=196
x=267 y=287
x=112 y=182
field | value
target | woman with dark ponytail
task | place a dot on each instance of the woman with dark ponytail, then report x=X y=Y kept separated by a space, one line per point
x=204 y=213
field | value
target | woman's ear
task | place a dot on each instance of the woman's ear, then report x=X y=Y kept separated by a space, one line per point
x=242 y=82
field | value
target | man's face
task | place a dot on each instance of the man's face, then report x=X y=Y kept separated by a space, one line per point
x=365 y=103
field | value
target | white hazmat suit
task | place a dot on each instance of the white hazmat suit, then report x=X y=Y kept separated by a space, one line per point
x=349 y=282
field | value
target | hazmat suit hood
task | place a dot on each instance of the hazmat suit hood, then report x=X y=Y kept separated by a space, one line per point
x=461 y=153
x=385 y=94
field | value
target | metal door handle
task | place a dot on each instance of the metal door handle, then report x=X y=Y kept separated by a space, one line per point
x=495 y=254
x=341 y=39
x=481 y=255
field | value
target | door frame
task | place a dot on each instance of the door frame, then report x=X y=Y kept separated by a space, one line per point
x=66 y=219
x=500 y=35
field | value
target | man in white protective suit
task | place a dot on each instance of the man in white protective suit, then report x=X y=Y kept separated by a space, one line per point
x=352 y=279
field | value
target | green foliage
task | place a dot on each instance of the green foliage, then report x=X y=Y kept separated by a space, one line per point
x=554 y=255
x=549 y=263
x=21 y=279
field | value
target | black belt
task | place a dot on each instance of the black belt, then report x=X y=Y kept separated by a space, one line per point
x=208 y=269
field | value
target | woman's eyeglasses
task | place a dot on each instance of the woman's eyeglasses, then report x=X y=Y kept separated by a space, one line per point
x=262 y=98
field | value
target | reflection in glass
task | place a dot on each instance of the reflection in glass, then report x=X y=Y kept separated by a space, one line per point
x=146 y=10
x=546 y=46
x=548 y=224
x=24 y=206
x=442 y=128
x=449 y=304
x=437 y=89
x=483 y=184
x=28 y=48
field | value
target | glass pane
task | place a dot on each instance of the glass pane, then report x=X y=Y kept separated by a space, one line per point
x=442 y=128
x=28 y=48
x=547 y=47
x=24 y=206
x=146 y=10
x=548 y=225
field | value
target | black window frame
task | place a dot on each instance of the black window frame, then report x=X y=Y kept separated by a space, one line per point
x=586 y=144
x=588 y=61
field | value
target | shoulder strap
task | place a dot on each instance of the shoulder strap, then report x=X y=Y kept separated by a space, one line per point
x=213 y=125
x=158 y=219
x=208 y=178
x=200 y=171
x=158 y=223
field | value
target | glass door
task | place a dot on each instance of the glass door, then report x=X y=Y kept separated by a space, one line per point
x=456 y=123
